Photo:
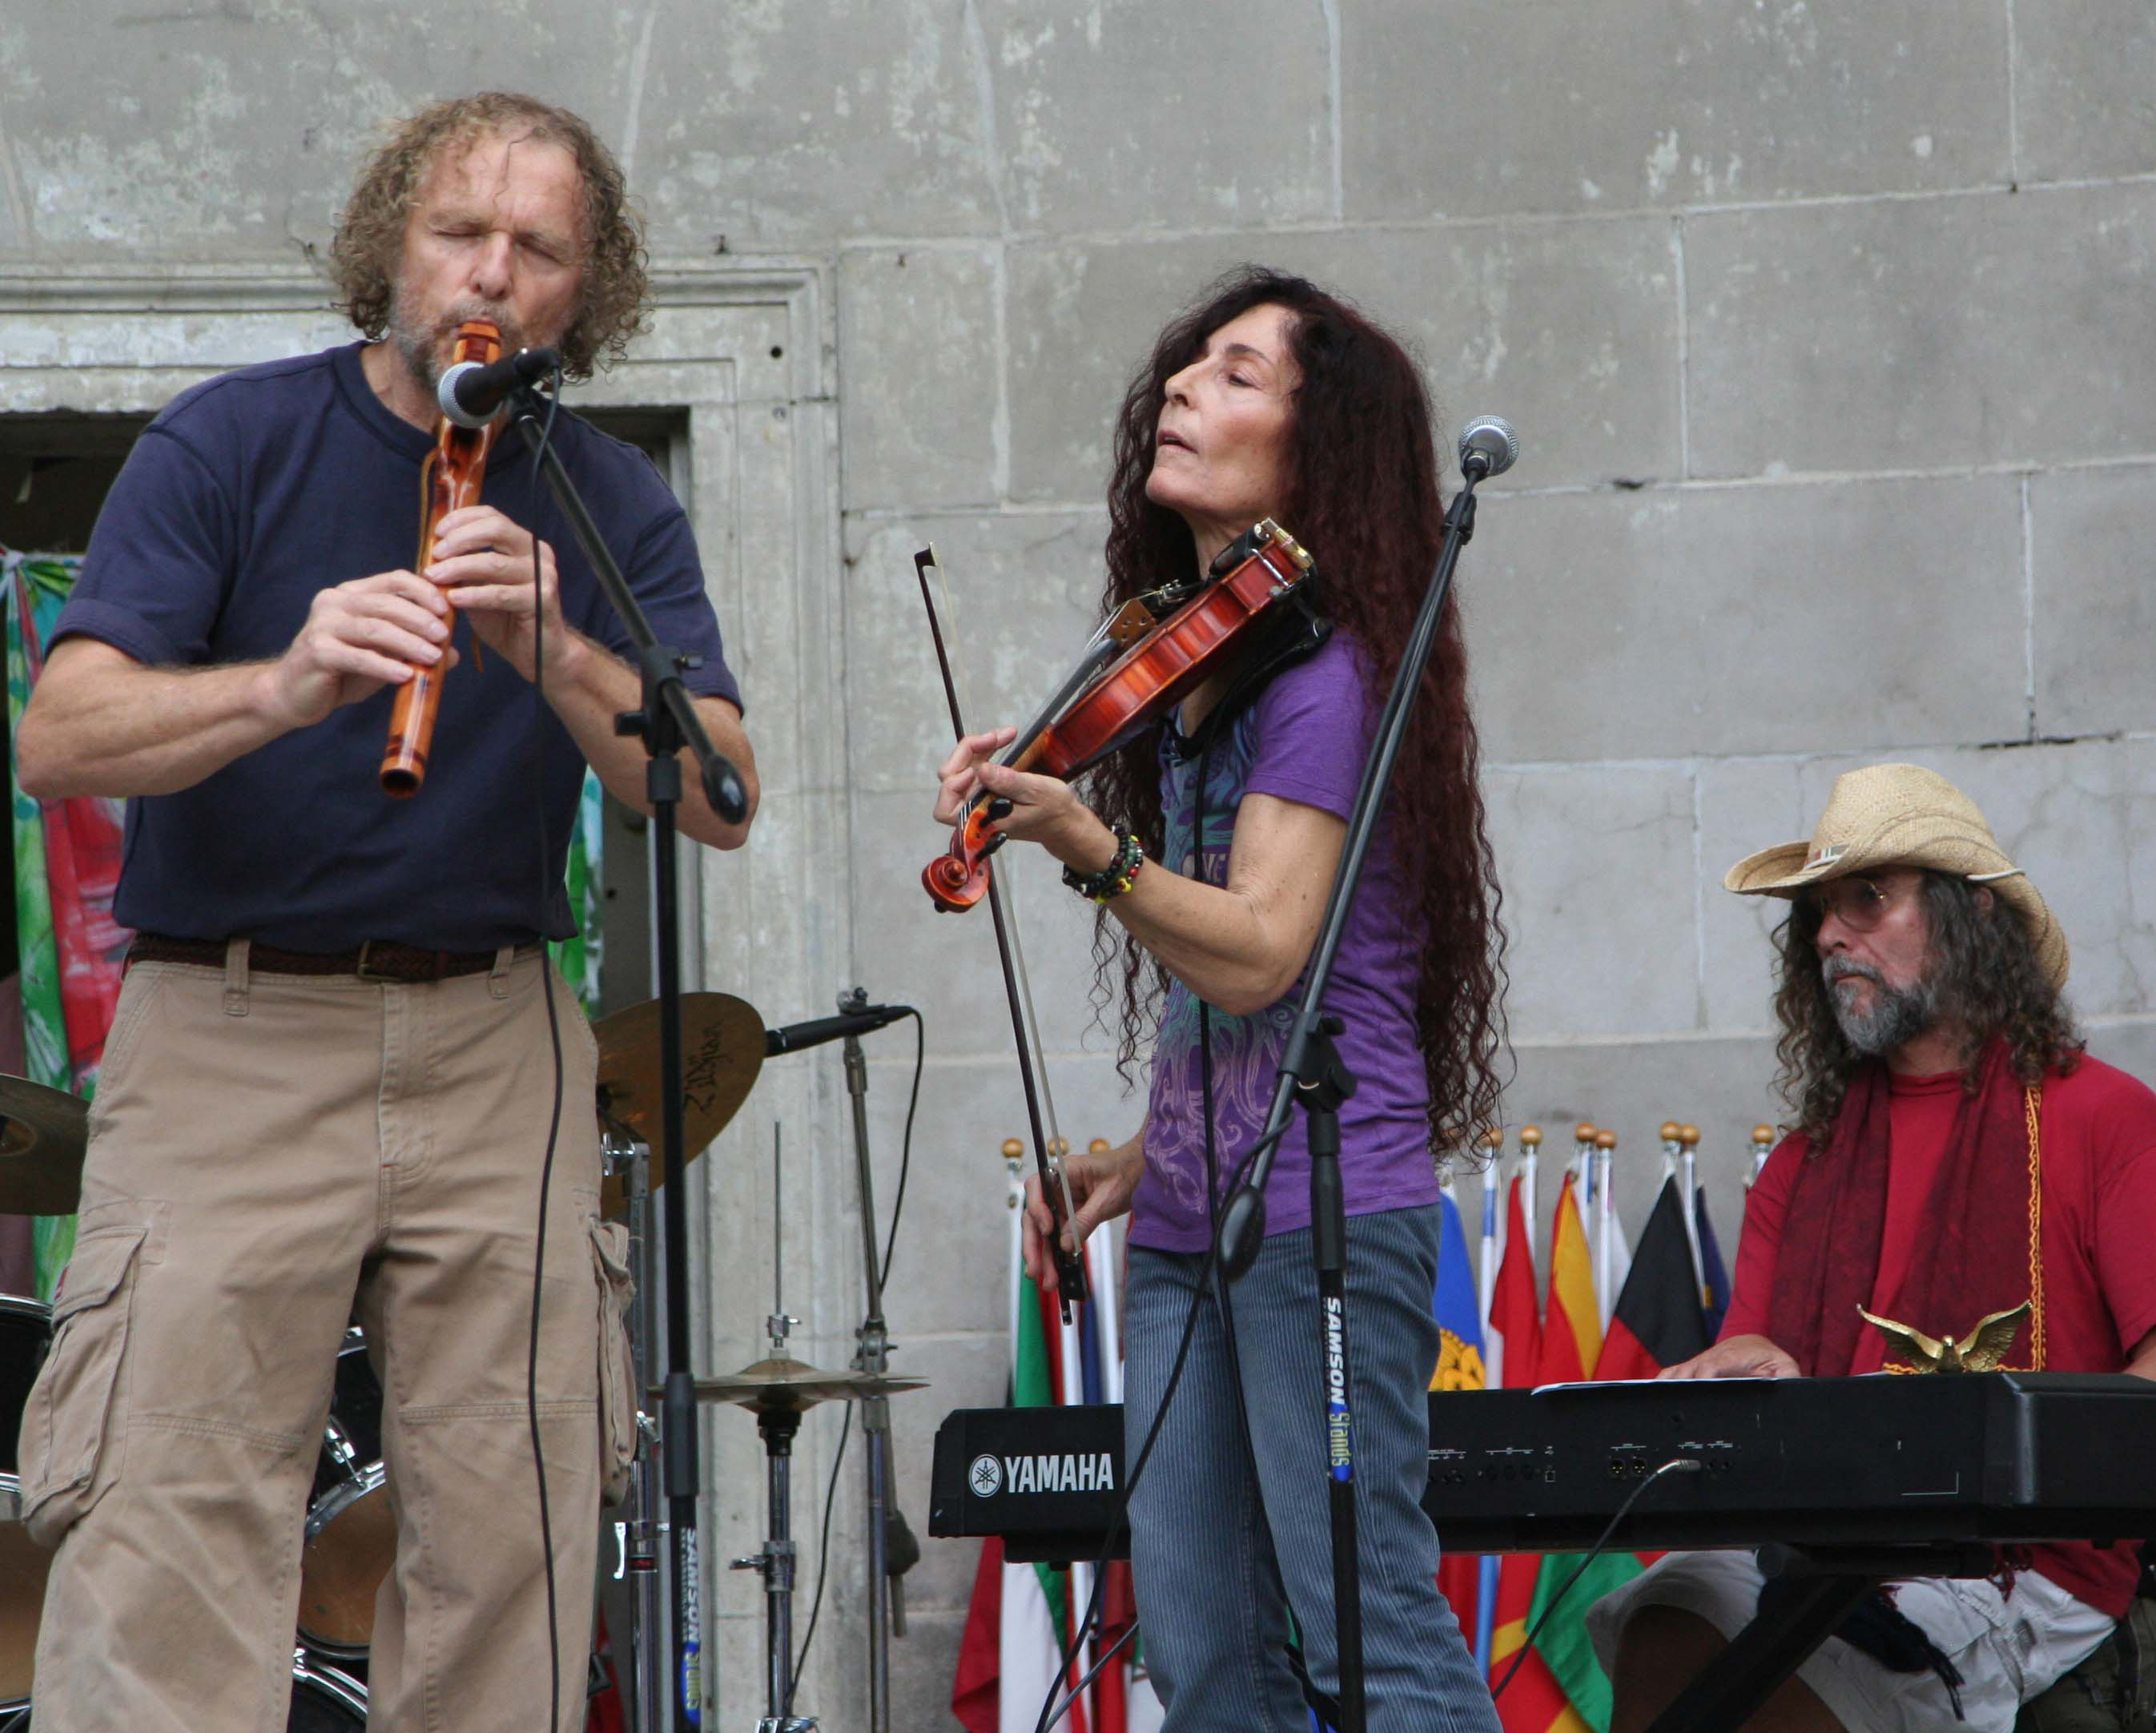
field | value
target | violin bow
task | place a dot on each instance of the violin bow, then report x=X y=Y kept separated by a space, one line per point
x=1049 y=1147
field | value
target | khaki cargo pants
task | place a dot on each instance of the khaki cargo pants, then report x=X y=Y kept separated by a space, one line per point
x=268 y=1151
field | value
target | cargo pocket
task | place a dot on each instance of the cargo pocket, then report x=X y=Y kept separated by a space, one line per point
x=74 y=1427
x=617 y=1391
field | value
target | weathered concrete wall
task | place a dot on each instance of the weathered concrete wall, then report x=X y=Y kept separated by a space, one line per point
x=1827 y=328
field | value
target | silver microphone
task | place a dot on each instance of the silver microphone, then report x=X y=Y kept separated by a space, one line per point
x=1488 y=444
x=471 y=393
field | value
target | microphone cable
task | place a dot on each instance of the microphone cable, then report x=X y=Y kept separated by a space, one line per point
x=1674 y=1465
x=547 y=886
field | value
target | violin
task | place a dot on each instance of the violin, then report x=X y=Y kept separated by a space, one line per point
x=450 y=479
x=1111 y=698
x=1155 y=650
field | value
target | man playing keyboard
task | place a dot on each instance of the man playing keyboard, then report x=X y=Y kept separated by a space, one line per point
x=1955 y=1155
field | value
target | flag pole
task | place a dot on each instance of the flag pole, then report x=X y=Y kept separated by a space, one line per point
x=1762 y=1143
x=1605 y=1226
x=1688 y=1168
x=1531 y=1143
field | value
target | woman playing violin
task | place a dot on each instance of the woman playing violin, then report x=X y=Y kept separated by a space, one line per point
x=1211 y=843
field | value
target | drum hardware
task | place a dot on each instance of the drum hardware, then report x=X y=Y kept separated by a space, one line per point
x=325 y=1699
x=892 y=1551
x=25 y=1329
x=350 y=1544
x=42 y=1134
x=642 y=1529
x=779 y=1398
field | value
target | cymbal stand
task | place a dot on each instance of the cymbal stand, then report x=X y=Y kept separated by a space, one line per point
x=637 y=1533
x=776 y=1421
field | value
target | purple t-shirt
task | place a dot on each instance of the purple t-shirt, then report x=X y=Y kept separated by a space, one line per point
x=1303 y=740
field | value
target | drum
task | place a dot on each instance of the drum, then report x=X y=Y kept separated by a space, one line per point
x=25 y=1328
x=324 y=1701
x=350 y=1533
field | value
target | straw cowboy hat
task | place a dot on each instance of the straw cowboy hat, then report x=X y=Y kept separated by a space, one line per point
x=1902 y=815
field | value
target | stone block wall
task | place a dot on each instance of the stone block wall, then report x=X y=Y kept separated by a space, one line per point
x=1827 y=328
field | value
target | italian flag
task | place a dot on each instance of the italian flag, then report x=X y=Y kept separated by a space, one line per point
x=1021 y=1616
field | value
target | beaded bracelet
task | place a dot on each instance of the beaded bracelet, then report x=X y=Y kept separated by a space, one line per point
x=1113 y=880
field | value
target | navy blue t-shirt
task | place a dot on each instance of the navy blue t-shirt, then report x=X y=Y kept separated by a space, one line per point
x=247 y=495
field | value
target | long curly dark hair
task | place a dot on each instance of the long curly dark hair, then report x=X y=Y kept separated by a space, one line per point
x=1984 y=975
x=367 y=250
x=1362 y=496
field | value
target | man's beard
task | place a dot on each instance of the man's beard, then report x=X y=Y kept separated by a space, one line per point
x=1898 y=1014
x=420 y=346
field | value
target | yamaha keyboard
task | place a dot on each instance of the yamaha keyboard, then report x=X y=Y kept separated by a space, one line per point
x=1990 y=1457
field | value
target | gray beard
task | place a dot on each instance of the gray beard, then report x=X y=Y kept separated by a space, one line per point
x=1898 y=1014
x=417 y=348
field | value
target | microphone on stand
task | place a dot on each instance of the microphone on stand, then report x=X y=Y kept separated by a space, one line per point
x=796 y=1035
x=471 y=393
x=1489 y=446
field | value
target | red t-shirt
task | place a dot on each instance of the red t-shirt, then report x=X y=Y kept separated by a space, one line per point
x=2096 y=1134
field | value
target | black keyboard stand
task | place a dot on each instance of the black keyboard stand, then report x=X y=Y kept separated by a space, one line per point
x=1829 y=1582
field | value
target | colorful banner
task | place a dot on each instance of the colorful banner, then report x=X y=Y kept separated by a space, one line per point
x=67 y=868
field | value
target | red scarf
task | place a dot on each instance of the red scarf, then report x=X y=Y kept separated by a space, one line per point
x=1980 y=1254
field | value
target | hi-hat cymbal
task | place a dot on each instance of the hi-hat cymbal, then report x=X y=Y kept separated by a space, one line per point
x=42 y=1133
x=790 y=1384
x=721 y=1052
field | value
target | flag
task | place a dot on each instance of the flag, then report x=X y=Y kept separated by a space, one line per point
x=1457 y=1308
x=1563 y=1646
x=1516 y=1325
x=1714 y=1274
x=1018 y=1620
x=1658 y=1320
x=1571 y=1323
x=1514 y=1316
x=1115 y=1694
x=1612 y=1256
x=1456 y=1305
x=1533 y=1702
x=1571 y=1345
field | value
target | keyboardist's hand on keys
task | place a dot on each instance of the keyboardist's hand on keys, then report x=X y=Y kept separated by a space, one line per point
x=1742 y=1356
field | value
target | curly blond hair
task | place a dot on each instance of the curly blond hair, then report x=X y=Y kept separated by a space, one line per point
x=367 y=251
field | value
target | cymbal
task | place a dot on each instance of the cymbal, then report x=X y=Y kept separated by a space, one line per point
x=42 y=1133
x=790 y=1384
x=721 y=1052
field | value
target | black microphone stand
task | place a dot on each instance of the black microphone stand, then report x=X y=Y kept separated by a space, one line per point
x=1311 y=1072
x=665 y=721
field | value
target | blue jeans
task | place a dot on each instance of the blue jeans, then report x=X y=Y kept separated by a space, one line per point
x=1220 y=1553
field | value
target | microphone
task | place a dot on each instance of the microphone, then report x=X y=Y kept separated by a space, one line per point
x=471 y=393
x=1488 y=446
x=796 y=1035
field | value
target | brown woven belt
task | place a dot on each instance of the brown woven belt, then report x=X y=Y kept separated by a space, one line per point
x=378 y=960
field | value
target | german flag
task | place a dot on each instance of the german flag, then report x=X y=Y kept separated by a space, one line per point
x=1659 y=1319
